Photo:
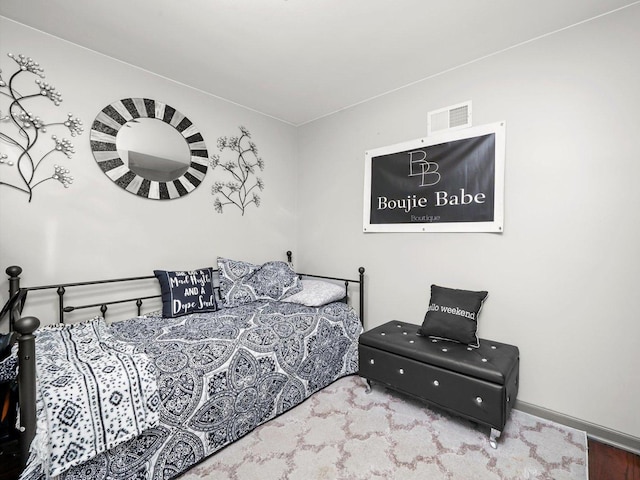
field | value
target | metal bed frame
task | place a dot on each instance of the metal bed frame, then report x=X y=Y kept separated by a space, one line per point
x=25 y=328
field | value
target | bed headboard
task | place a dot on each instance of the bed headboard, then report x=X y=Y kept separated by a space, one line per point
x=18 y=293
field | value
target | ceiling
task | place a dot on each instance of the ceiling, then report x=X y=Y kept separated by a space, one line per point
x=299 y=60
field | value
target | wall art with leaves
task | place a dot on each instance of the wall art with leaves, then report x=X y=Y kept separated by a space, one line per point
x=242 y=185
x=23 y=134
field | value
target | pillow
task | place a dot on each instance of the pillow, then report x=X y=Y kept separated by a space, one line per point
x=243 y=282
x=316 y=293
x=186 y=292
x=453 y=315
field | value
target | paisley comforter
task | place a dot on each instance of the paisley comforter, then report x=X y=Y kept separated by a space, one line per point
x=221 y=374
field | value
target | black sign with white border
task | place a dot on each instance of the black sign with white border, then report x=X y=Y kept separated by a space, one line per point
x=449 y=182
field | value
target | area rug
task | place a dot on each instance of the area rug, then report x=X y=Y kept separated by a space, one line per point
x=344 y=433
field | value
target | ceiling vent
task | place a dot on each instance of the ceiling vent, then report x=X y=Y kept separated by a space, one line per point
x=453 y=117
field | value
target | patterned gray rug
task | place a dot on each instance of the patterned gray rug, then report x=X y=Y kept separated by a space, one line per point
x=343 y=433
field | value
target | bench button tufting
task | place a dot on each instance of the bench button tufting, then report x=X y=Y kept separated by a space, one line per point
x=484 y=359
x=478 y=400
x=372 y=361
x=493 y=347
x=444 y=349
x=436 y=383
x=404 y=333
x=382 y=333
x=401 y=371
x=469 y=348
x=412 y=341
x=434 y=341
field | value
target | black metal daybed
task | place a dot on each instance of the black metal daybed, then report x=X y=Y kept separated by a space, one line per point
x=263 y=340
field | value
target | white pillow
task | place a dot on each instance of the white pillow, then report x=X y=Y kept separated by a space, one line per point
x=316 y=293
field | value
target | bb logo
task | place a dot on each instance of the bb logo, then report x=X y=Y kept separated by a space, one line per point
x=420 y=167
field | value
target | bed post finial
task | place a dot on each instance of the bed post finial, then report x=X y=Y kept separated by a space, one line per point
x=25 y=326
x=361 y=272
x=289 y=256
x=13 y=272
x=14 y=278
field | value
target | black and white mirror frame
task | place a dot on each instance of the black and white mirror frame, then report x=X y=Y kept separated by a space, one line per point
x=103 y=145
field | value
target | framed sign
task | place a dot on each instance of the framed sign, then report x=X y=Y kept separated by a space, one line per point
x=450 y=182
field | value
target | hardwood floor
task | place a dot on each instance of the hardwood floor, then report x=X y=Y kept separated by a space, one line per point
x=605 y=463
x=610 y=463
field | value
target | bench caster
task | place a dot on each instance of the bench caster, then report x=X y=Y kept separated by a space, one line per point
x=367 y=386
x=493 y=438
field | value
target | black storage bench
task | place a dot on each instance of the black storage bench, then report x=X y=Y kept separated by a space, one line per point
x=480 y=384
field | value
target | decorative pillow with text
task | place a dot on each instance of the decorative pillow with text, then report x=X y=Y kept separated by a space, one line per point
x=453 y=315
x=186 y=292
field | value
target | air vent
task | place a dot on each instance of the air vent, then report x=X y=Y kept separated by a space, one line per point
x=453 y=117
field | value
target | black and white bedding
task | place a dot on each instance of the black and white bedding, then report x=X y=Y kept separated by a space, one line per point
x=94 y=393
x=219 y=375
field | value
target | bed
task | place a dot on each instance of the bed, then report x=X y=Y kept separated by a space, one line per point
x=232 y=348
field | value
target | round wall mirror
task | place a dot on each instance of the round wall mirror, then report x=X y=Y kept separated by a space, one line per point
x=149 y=148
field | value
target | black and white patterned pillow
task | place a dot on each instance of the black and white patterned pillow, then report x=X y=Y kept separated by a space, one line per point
x=186 y=292
x=316 y=293
x=243 y=282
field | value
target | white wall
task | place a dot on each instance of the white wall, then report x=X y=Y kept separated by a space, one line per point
x=95 y=229
x=563 y=277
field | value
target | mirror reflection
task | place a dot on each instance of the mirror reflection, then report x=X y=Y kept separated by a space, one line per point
x=153 y=149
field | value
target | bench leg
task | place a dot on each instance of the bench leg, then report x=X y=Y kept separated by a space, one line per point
x=367 y=386
x=493 y=438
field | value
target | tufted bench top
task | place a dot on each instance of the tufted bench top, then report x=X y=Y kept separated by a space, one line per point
x=492 y=361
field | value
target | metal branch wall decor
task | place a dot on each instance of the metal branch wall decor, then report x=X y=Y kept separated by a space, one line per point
x=240 y=190
x=28 y=129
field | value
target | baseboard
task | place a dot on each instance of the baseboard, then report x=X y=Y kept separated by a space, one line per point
x=596 y=432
